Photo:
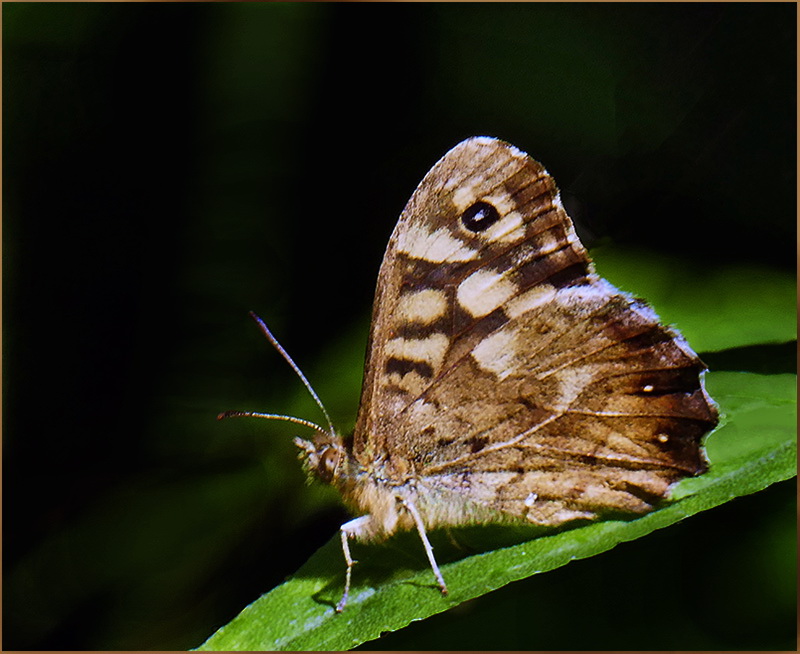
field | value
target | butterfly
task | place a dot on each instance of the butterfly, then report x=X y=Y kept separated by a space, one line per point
x=505 y=380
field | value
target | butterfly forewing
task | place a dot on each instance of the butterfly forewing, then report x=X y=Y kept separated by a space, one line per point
x=503 y=374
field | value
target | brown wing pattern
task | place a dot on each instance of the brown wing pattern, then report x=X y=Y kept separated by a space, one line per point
x=503 y=370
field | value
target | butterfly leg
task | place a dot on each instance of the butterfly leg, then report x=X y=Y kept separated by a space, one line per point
x=349 y=529
x=412 y=509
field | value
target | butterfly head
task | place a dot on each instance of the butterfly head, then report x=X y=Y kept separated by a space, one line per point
x=323 y=456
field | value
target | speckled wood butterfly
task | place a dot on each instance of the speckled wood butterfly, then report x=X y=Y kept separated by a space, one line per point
x=504 y=379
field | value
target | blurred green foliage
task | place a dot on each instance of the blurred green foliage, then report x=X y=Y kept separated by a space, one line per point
x=168 y=167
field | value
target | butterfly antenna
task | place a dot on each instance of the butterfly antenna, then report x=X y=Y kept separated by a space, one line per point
x=263 y=326
x=271 y=416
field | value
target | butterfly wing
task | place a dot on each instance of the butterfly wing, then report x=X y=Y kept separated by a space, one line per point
x=502 y=372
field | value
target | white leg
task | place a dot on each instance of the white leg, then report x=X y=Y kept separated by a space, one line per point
x=350 y=563
x=424 y=536
x=348 y=529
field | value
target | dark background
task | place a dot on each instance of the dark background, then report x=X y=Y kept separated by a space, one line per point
x=169 y=167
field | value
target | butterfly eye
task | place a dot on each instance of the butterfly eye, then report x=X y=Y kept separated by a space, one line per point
x=479 y=217
x=328 y=462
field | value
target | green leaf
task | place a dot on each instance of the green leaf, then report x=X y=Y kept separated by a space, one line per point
x=734 y=306
x=754 y=447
